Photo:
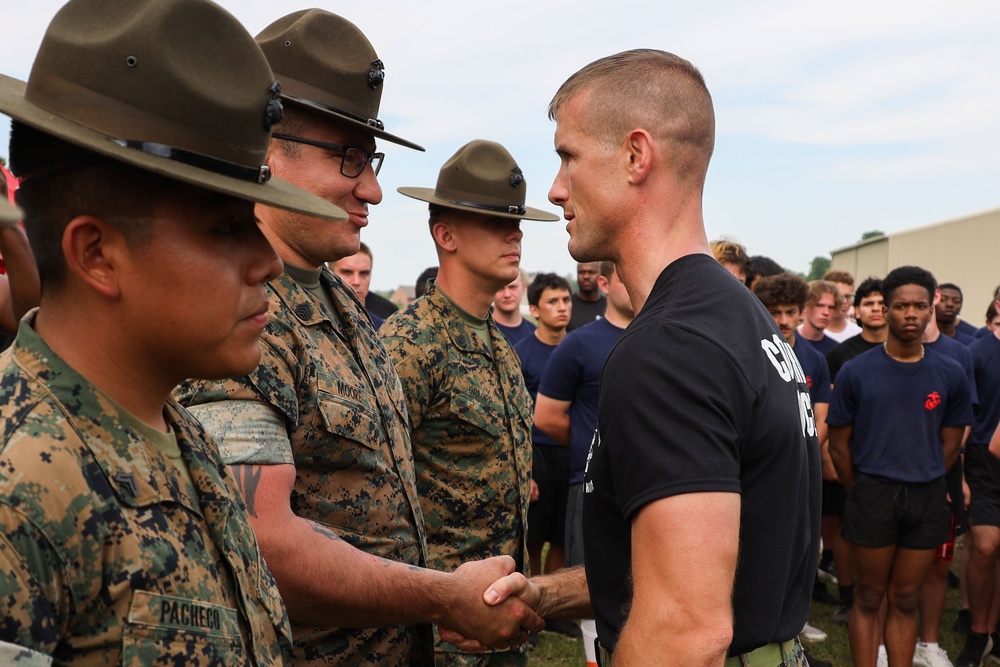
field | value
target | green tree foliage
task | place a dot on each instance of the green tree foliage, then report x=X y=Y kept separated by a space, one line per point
x=818 y=268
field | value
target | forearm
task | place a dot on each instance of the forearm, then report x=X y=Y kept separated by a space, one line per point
x=564 y=594
x=840 y=454
x=952 y=440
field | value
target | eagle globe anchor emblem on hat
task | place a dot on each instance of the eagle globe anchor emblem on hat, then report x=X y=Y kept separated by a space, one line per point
x=175 y=87
x=481 y=177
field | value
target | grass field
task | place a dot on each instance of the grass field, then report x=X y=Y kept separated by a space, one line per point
x=557 y=651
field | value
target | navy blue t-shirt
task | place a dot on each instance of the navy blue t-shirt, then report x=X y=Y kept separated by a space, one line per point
x=897 y=410
x=574 y=374
x=823 y=345
x=986 y=361
x=952 y=349
x=534 y=355
x=816 y=369
x=515 y=334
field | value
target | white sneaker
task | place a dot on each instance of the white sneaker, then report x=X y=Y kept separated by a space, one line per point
x=811 y=634
x=931 y=656
x=883 y=657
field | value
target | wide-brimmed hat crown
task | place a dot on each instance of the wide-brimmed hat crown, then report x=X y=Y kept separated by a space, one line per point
x=482 y=177
x=176 y=87
x=327 y=65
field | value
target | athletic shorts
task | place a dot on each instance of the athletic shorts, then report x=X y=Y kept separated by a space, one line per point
x=834 y=498
x=882 y=513
x=982 y=472
x=547 y=515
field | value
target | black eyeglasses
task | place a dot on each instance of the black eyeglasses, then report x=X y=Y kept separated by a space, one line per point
x=352 y=159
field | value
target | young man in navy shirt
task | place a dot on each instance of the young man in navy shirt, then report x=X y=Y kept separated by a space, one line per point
x=896 y=423
x=550 y=304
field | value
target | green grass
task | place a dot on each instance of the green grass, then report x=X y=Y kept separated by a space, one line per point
x=558 y=651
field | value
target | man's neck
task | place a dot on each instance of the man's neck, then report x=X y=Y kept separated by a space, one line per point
x=836 y=324
x=931 y=333
x=809 y=332
x=466 y=294
x=902 y=351
x=591 y=297
x=102 y=357
x=617 y=318
x=548 y=335
x=511 y=319
x=878 y=335
x=947 y=328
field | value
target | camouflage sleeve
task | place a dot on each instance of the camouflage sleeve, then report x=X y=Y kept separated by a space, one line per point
x=18 y=656
x=415 y=374
x=246 y=431
x=34 y=598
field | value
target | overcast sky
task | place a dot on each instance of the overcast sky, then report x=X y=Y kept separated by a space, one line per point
x=833 y=118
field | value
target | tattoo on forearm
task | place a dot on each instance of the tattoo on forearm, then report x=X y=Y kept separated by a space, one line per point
x=325 y=532
x=248 y=478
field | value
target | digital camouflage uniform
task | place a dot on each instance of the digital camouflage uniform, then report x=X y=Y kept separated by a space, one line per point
x=107 y=555
x=344 y=412
x=470 y=418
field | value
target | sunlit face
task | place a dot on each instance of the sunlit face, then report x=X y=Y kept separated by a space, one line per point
x=909 y=312
x=870 y=311
x=356 y=270
x=195 y=287
x=553 y=309
x=508 y=297
x=584 y=187
x=489 y=247
x=310 y=242
x=819 y=315
x=950 y=305
x=787 y=316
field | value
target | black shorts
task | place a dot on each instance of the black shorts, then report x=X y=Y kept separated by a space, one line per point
x=982 y=472
x=547 y=515
x=834 y=498
x=882 y=513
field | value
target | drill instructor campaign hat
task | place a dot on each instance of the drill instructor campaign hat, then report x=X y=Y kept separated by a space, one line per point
x=481 y=177
x=175 y=87
x=326 y=64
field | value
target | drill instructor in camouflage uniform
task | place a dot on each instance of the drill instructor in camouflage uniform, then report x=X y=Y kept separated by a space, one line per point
x=470 y=414
x=139 y=140
x=317 y=435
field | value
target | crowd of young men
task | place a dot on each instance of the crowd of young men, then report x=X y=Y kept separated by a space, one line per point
x=346 y=490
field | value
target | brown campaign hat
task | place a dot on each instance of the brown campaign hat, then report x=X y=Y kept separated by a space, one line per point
x=481 y=177
x=176 y=87
x=326 y=64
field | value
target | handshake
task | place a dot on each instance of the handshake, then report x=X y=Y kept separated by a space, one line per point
x=496 y=607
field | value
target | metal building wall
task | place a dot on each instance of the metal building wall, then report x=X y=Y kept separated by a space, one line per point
x=964 y=251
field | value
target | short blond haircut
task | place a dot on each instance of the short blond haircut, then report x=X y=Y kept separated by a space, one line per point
x=817 y=288
x=654 y=90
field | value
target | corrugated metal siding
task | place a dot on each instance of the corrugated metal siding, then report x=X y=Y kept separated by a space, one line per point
x=964 y=251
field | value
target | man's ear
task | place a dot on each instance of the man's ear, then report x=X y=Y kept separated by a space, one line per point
x=444 y=236
x=603 y=284
x=534 y=311
x=640 y=149
x=94 y=251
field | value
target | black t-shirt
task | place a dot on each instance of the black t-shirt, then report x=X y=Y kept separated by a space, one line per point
x=703 y=394
x=846 y=351
x=585 y=312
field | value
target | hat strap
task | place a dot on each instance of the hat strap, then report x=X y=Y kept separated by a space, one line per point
x=261 y=174
x=370 y=122
x=513 y=209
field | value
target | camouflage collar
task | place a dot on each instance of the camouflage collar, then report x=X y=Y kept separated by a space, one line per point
x=137 y=471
